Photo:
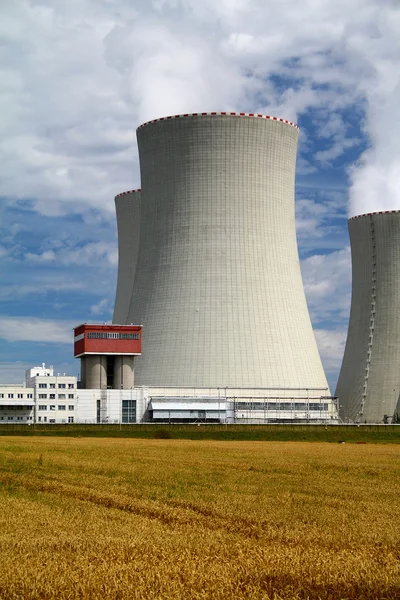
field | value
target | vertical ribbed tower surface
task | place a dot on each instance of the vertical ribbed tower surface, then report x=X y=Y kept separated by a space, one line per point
x=369 y=381
x=127 y=206
x=218 y=287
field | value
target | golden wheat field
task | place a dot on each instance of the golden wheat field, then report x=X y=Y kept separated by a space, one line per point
x=173 y=519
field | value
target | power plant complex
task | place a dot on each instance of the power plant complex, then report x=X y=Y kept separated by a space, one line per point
x=210 y=319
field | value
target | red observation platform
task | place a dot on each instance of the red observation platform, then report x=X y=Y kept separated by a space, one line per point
x=107 y=339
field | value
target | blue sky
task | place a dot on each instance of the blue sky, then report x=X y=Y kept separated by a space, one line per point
x=79 y=77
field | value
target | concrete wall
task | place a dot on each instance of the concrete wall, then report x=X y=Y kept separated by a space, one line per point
x=123 y=372
x=127 y=207
x=110 y=402
x=218 y=286
x=369 y=381
x=94 y=371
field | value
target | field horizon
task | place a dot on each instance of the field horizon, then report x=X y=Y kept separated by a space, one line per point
x=122 y=518
x=333 y=433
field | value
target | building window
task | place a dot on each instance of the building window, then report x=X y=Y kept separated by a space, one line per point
x=1 y=395
x=129 y=411
x=61 y=396
x=39 y=419
x=52 y=385
x=70 y=396
x=29 y=395
x=43 y=385
x=10 y=418
x=52 y=420
x=52 y=407
x=61 y=407
x=98 y=411
x=129 y=336
x=20 y=395
x=98 y=335
x=42 y=406
x=71 y=407
x=70 y=419
x=42 y=395
x=52 y=396
x=44 y=419
x=62 y=386
x=11 y=395
x=71 y=386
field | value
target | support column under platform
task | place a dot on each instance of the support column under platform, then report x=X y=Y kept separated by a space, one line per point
x=94 y=372
x=123 y=372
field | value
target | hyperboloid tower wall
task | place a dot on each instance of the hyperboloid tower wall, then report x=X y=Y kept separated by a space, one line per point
x=218 y=287
x=127 y=207
x=369 y=381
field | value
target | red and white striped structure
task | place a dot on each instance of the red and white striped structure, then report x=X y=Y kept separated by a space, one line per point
x=218 y=114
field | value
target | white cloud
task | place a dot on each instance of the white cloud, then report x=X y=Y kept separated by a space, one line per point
x=18 y=329
x=319 y=224
x=44 y=257
x=376 y=179
x=82 y=75
x=39 y=286
x=331 y=347
x=102 y=307
x=13 y=372
x=327 y=283
x=338 y=147
x=94 y=254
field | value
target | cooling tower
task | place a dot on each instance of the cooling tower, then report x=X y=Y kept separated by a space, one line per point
x=127 y=207
x=218 y=287
x=369 y=381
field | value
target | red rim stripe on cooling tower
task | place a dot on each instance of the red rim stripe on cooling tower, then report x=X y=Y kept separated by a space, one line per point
x=128 y=192
x=223 y=114
x=381 y=212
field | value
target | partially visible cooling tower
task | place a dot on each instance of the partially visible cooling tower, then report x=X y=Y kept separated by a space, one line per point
x=127 y=206
x=369 y=381
x=218 y=287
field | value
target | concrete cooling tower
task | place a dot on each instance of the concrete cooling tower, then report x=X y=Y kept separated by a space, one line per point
x=369 y=383
x=217 y=285
x=127 y=207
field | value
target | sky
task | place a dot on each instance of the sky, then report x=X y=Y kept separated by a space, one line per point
x=78 y=77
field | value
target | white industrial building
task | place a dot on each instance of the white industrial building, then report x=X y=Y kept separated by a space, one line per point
x=54 y=395
x=44 y=397
x=48 y=398
x=16 y=403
